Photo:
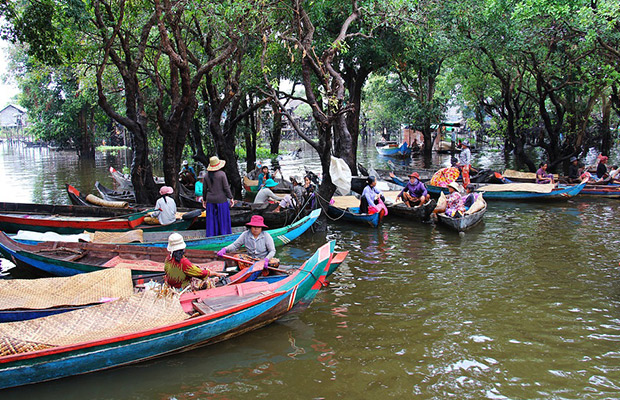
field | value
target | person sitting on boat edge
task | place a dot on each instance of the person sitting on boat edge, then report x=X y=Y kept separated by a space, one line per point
x=372 y=198
x=574 y=172
x=295 y=199
x=542 y=176
x=414 y=193
x=265 y=194
x=454 y=206
x=471 y=196
x=258 y=243
x=165 y=207
x=179 y=270
x=264 y=176
x=601 y=169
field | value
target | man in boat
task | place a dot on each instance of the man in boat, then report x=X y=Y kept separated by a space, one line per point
x=414 y=193
x=574 y=172
x=372 y=198
x=258 y=243
x=465 y=161
x=179 y=270
x=295 y=199
x=187 y=175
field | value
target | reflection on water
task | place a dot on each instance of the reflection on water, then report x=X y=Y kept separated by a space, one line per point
x=525 y=306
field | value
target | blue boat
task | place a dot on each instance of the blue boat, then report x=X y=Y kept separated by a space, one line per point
x=393 y=149
x=561 y=193
x=216 y=314
x=352 y=214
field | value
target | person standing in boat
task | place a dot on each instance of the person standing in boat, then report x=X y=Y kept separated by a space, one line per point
x=217 y=199
x=265 y=194
x=542 y=176
x=414 y=193
x=258 y=243
x=179 y=270
x=465 y=162
x=372 y=198
x=165 y=207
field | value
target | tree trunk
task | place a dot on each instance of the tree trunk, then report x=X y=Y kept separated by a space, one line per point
x=605 y=131
x=141 y=168
x=355 y=82
x=276 y=133
x=250 y=141
x=86 y=148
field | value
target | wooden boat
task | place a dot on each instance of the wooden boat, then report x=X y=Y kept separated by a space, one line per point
x=607 y=191
x=464 y=223
x=115 y=195
x=196 y=239
x=343 y=209
x=66 y=258
x=420 y=213
x=76 y=219
x=124 y=181
x=251 y=186
x=187 y=198
x=146 y=326
x=561 y=193
x=393 y=149
x=78 y=199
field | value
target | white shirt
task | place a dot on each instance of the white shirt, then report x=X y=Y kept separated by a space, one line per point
x=168 y=213
x=465 y=156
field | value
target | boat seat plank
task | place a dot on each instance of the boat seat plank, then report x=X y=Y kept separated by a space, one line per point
x=222 y=303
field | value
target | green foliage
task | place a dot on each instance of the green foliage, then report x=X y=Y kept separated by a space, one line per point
x=261 y=152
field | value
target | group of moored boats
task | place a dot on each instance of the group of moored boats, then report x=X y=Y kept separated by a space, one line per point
x=103 y=303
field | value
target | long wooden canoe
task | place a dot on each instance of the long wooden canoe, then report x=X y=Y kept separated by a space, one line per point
x=217 y=314
x=77 y=219
x=561 y=193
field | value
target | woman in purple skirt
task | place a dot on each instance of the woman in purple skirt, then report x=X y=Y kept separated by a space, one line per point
x=217 y=198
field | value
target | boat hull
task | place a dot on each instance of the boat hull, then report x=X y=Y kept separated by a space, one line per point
x=353 y=215
x=422 y=213
x=464 y=223
x=560 y=194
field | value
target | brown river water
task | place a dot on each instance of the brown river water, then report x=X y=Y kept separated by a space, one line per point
x=524 y=306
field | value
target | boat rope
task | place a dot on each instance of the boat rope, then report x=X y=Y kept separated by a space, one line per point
x=325 y=210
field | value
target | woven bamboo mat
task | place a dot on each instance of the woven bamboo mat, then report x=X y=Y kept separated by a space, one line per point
x=518 y=187
x=69 y=291
x=512 y=174
x=136 y=235
x=139 y=312
x=9 y=346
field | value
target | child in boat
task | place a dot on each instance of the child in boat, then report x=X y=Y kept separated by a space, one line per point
x=470 y=197
x=265 y=193
x=165 y=207
x=258 y=243
x=295 y=199
x=415 y=192
x=179 y=270
x=542 y=176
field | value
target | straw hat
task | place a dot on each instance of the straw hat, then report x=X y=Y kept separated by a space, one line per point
x=270 y=183
x=166 y=190
x=256 y=220
x=175 y=242
x=215 y=164
x=454 y=185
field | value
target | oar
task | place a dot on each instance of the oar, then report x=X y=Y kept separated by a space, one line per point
x=126 y=215
x=241 y=260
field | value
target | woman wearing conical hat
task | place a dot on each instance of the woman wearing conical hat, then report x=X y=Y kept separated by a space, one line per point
x=179 y=270
x=217 y=198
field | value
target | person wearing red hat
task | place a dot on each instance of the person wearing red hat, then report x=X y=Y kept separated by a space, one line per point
x=258 y=243
x=414 y=193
